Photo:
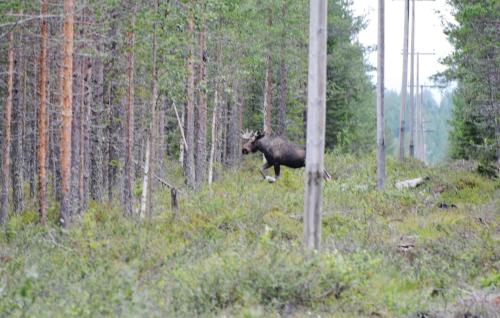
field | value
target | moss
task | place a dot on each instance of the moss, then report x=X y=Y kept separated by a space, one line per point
x=234 y=249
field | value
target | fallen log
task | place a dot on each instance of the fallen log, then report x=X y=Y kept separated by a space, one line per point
x=412 y=183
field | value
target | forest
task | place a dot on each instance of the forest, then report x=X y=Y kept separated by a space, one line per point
x=127 y=187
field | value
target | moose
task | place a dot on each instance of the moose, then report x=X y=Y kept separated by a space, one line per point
x=277 y=150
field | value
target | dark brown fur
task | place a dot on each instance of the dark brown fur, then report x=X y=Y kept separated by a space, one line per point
x=278 y=151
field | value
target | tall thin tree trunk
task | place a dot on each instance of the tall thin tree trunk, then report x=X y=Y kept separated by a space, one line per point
x=4 y=199
x=380 y=96
x=189 y=118
x=149 y=170
x=129 y=127
x=412 y=88
x=111 y=153
x=17 y=164
x=67 y=94
x=268 y=87
x=404 y=83
x=77 y=108
x=42 y=116
x=85 y=150
x=316 y=121
x=97 y=164
x=145 y=180
x=214 y=140
x=33 y=129
x=283 y=79
x=201 y=138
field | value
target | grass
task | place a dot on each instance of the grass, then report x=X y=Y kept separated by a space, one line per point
x=234 y=249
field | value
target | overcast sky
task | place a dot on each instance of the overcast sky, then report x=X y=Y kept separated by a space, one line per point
x=429 y=37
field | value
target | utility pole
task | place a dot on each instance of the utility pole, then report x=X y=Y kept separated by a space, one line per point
x=421 y=151
x=412 y=76
x=316 y=108
x=414 y=101
x=404 y=83
x=418 y=109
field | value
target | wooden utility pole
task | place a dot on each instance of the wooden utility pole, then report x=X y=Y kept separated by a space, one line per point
x=416 y=120
x=316 y=105
x=412 y=77
x=4 y=198
x=418 y=111
x=42 y=116
x=404 y=83
x=380 y=96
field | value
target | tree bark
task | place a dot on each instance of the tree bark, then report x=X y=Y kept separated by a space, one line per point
x=201 y=138
x=283 y=79
x=268 y=87
x=67 y=94
x=149 y=170
x=380 y=96
x=129 y=127
x=189 y=118
x=145 y=181
x=316 y=105
x=85 y=150
x=214 y=139
x=404 y=83
x=97 y=164
x=17 y=165
x=4 y=199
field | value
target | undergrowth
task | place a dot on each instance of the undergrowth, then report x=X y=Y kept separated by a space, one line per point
x=234 y=249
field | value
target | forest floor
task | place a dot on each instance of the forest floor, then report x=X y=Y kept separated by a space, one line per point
x=235 y=250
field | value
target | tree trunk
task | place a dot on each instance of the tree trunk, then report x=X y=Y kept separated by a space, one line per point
x=77 y=109
x=380 y=96
x=404 y=83
x=316 y=106
x=189 y=118
x=145 y=181
x=215 y=133
x=97 y=164
x=412 y=88
x=4 y=199
x=129 y=128
x=201 y=138
x=283 y=79
x=149 y=171
x=85 y=151
x=268 y=85
x=67 y=94
x=17 y=140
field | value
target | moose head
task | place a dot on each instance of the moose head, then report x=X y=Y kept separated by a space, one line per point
x=251 y=138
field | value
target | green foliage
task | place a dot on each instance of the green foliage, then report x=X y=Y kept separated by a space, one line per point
x=235 y=249
x=350 y=114
x=474 y=64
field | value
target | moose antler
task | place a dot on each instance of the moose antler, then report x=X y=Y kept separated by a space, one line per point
x=247 y=134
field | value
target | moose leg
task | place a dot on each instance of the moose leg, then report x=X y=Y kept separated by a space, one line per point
x=277 y=171
x=266 y=166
